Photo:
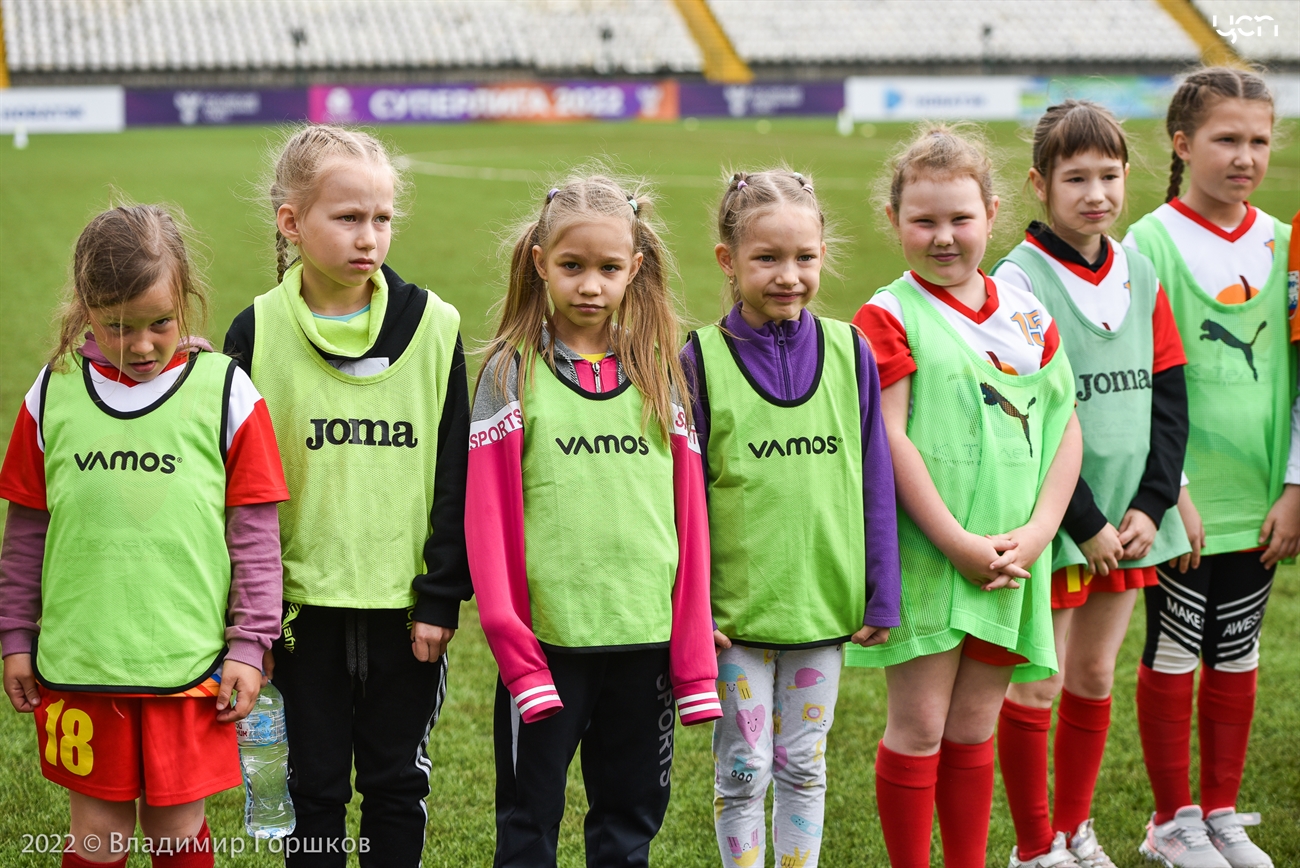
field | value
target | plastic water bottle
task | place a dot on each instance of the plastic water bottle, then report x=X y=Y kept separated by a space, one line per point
x=264 y=758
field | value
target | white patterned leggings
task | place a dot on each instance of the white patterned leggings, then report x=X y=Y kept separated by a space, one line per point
x=777 y=709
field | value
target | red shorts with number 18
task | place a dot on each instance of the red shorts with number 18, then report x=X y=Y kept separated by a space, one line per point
x=169 y=749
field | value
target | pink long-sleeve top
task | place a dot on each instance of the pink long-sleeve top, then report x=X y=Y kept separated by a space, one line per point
x=495 y=535
x=254 y=484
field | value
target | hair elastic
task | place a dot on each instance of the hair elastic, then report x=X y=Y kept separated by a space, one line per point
x=551 y=195
x=740 y=185
x=632 y=201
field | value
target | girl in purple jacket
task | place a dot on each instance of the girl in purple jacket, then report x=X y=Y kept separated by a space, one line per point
x=804 y=543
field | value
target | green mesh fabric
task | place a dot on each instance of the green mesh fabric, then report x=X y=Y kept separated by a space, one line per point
x=987 y=439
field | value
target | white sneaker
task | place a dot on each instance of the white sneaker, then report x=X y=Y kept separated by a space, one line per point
x=1233 y=843
x=1182 y=842
x=1086 y=849
x=1059 y=855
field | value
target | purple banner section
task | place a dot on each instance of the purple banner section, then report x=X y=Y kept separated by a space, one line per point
x=214 y=107
x=760 y=100
x=515 y=101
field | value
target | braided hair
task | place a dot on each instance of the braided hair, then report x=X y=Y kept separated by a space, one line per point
x=1193 y=100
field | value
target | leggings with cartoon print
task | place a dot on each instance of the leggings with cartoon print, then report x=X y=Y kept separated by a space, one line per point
x=777 y=710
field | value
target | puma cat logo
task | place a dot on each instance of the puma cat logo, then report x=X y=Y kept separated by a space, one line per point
x=1215 y=332
x=994 y=398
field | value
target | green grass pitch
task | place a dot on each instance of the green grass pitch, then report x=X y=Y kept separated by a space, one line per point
x=449 y=243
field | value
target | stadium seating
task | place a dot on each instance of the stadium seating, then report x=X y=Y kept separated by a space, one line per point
x=1264 y=44
x=936 y=31
x=603 y=36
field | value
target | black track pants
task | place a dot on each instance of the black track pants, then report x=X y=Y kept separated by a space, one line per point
x=619 y=705
x=354 y=691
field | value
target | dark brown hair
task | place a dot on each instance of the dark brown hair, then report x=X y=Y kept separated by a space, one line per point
x=120 y=255
x=1196 y=96
x=749 y=195
x=1075 y=127
x=647 y=332
x=302 y=161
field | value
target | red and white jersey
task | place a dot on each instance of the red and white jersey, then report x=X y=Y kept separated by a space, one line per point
x=1012 y=330
x=1230 y=265
x=1103 y=296
x=253 y=470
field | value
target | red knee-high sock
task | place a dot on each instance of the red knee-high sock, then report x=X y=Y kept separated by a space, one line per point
x=1164 y=711
x=1081 y=729
x=1022 y=754
x=964 y=797
x=73 y=860
x=1225 y=706
x=905 y=801
x=196 y=853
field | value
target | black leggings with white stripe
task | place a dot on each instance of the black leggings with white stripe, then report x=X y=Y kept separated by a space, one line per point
x=1212 y=613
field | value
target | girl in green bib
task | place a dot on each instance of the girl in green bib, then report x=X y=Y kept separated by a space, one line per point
x=978 y=405
x=589 y=541
x=140 y=576
x=1131 y=399
x=1223 y=263
x=364 y=376
x=801 y=514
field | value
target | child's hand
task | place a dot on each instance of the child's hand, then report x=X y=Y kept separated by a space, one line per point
x=987 y=561
x=1137 y=532
x=1282 y=528
x=720 y=642
x=429 y=641
x=20 y=683
x=868 y=636
x=1195 y=532
x=245 y=682
x=1104 y=550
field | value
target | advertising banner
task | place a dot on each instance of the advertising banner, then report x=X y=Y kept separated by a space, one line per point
x=62 y=109
x=976 y=98
x=760 y=100
x=520 y=101
x=214 y=107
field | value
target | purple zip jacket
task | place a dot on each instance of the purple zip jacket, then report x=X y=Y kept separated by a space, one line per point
x=782 y=357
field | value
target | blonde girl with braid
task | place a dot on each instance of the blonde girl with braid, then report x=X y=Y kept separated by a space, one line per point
x=590 y=550
x=364 y=376
x=1222 y=263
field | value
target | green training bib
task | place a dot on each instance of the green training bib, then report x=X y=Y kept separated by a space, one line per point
x=1241 y=378
x=785 y=497
x=600 y=532
x=1112 y=379
x=987 y=439
x=136 y=576
x=359 y=455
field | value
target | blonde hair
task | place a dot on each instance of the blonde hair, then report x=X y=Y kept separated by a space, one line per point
x=1193 y=100
x=647 y=331
x=943 y=150
x=750 y=195
x=120 y=255
x=302 y=161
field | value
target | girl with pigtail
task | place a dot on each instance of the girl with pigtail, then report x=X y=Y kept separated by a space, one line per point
x=364 y=377
x=1222 y=262
x=801 y=514
x=589 y=551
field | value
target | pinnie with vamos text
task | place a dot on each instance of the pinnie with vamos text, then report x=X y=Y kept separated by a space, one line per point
x=364 y=377
x=140 y=575
x=590 y=547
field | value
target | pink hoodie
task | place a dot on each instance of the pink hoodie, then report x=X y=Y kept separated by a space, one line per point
x=494 y=513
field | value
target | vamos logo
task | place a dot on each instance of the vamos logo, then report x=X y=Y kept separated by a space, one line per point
x=610 y=444
x=361 y=432
x=148 y=462
x=829 y=444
